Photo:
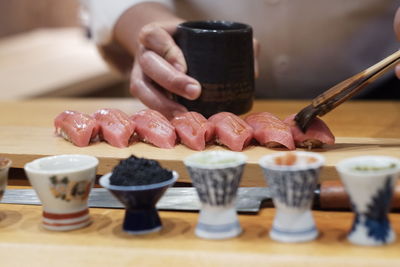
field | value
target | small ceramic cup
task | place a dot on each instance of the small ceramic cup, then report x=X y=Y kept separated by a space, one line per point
x=5 y=165
x=63 y=184
x=216 y=176
x=219 y=54
x=141 y=215
x=369 y=180
x=292 y=178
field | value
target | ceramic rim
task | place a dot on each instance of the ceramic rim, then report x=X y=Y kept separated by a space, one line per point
x=266 y=161
x=104 y=181
x=346 y=165
x=238 y=157
x=81 y=162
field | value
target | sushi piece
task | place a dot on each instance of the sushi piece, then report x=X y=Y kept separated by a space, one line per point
x=76 y=127
x=316 y=135
x=270 y=131
x=152 y=127
x=231 y=131
x=193 y=129
x=116 y=128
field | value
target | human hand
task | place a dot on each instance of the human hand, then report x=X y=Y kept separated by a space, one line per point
x=397 y=30
x=160 y=67
x=159 y=70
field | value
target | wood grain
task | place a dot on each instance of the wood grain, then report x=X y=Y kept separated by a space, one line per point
x=26 y=133
x=104 y=244
x=51 y=62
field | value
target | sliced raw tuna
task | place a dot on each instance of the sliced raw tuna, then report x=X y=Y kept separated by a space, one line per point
x=116 y=128
x=152 y=127
x=316 y=135
x=76 y=127
x=231 y=131
x=193 y=129
x=270 y=131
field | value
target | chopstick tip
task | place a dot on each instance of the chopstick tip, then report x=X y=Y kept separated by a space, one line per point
x=305 y=116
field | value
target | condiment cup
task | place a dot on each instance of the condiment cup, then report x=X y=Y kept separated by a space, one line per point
x=63 y=184
x=292 y=186
x=216 y=176
x=5 y=165
x=369 y=180
x=141 y=215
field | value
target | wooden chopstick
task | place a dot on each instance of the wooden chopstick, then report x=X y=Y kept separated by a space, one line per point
x=349 y=87
x=344 y=90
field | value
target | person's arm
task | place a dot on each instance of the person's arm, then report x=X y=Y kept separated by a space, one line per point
x=397 y=30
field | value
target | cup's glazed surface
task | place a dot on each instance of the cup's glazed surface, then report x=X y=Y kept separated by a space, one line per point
x=141 y=215
x=5 y=165
x=292 y=188
x=369 y=181
x=216 y=176
x=63 y=184
x=219 y=54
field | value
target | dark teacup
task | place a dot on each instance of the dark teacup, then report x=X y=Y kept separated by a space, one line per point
x=219 y=54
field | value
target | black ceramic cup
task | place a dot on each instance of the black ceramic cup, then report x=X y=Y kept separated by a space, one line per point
x=219 y=54
x=141 y=215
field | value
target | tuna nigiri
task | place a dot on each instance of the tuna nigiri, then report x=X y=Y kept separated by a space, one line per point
x=316 y=135
x=76 y=127
x=152 y=127
x=116 y=128
x=231 y=131
x=270 y=131
x=193 y=129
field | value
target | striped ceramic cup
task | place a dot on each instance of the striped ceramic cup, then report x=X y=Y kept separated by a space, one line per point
x=63 y=184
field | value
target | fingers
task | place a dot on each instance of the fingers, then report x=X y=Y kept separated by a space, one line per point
x=157 y=37
x=256 y=49
x=397 y=71
x=397 y=30
x=397 y=23
x=157 y=69
x=142 y=88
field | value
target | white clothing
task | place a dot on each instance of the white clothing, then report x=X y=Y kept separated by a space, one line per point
x=307 y=46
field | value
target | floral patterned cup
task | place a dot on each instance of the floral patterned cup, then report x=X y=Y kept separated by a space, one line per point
x=63 y=184
x=292 y=178
x=5 y=165
x=216 y=176
x=369 y=180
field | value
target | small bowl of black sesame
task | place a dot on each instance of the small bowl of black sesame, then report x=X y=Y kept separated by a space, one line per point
x=139 y=183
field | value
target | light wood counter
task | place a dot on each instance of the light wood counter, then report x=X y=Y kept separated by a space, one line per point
x=24 y=243
x=26 y=133
x=51 y=62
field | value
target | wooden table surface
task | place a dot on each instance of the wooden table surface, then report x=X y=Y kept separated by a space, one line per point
x=25 y=243
x=26 y=133
x=55 y=62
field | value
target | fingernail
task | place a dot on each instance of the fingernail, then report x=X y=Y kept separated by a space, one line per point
x=178 y=112
x=193 y=91
x=180 y=67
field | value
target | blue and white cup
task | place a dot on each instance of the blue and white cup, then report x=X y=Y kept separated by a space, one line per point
x=216 y=176
x=292 y=178
x=370 y=181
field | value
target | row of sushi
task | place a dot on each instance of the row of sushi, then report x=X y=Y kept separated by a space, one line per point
x=191 y=129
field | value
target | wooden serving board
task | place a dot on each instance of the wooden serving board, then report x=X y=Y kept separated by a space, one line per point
x=23 y=144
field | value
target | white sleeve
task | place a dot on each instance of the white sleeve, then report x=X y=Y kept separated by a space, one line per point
x=100 y=16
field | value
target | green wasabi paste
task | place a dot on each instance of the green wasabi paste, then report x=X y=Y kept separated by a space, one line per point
x=375 y=168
